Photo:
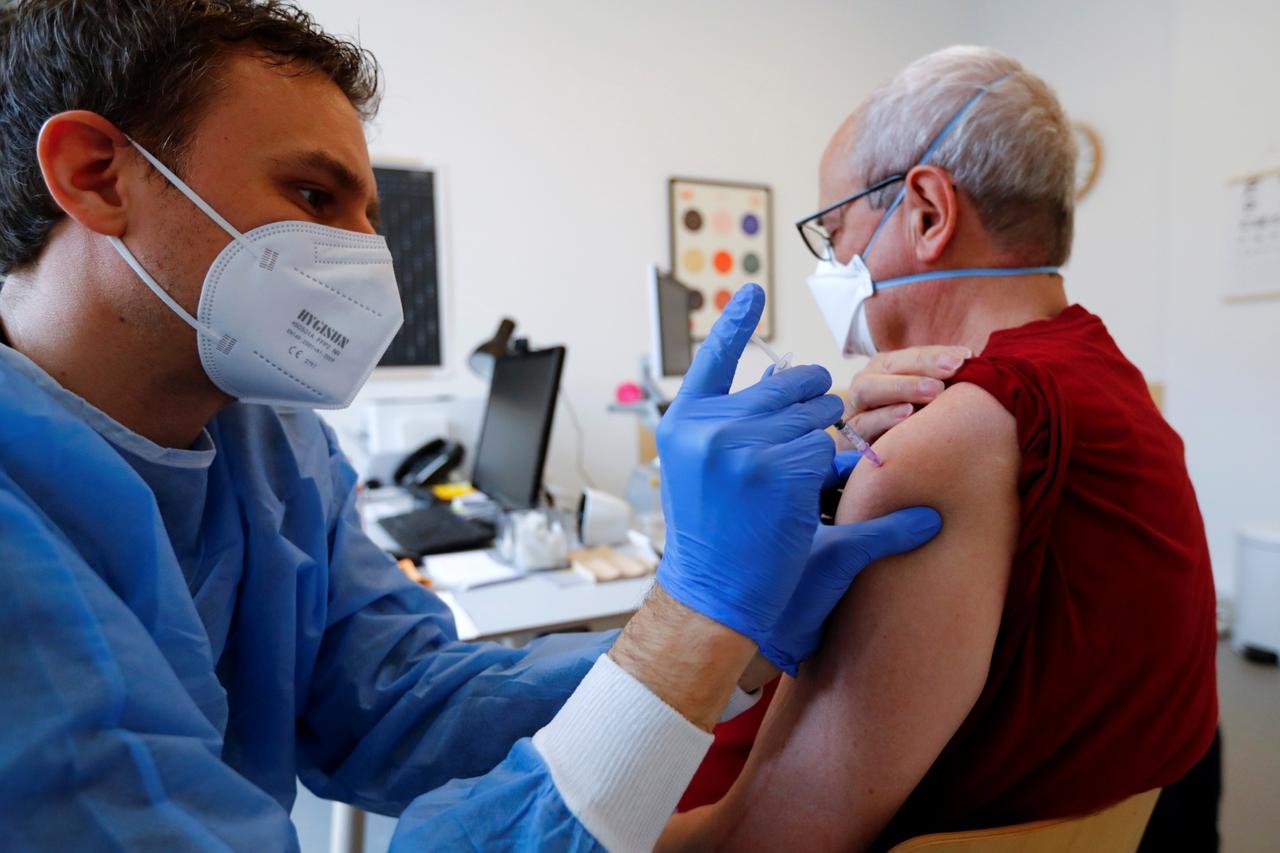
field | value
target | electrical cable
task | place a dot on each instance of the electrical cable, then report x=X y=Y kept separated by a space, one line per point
x=579 y=450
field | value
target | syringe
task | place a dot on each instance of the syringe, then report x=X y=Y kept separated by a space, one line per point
x=779 y=364
x=860 y=444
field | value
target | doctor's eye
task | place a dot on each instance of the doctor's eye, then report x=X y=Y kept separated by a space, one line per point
x=316 y=199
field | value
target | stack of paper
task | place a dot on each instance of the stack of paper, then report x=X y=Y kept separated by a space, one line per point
x=468 y=570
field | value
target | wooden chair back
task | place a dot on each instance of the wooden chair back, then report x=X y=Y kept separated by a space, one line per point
x=1116 y=829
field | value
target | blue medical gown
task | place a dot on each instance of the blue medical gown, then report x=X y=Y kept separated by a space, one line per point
x=185 y=632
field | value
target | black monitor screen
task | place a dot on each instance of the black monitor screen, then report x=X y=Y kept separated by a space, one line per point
x=517 y=427
x=675 y=336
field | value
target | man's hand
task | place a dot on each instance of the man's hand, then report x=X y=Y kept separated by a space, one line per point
x=885 y=392
x=741 y=477
x=839 y=554
x=757 y=674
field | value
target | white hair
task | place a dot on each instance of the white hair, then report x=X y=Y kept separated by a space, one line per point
x=1013 y=152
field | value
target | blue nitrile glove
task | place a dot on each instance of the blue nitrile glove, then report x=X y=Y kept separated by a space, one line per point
x=839 y=553
x=841 y=467
x=741 y=475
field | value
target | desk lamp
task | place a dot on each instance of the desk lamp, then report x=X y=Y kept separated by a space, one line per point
x=482 y=358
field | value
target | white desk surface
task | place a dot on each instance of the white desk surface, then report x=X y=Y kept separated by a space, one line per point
x=537 y=602
x=543 y=601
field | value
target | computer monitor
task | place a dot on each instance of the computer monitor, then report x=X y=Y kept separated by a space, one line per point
x=670 y=303
x=513 y=441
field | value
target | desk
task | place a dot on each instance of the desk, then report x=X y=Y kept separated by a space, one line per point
x=534 y=604
x=542 y=602
x=511 y=611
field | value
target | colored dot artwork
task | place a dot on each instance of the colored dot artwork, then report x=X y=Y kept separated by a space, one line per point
x=693 y=260
x=721 y=238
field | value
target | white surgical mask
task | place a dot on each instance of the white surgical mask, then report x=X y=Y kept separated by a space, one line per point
x=291 y=313
x=842 y=290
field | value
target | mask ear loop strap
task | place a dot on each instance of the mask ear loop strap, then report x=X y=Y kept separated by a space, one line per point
x=160 y=292
x=195 y=199
x=938 y=139
x=151 y=283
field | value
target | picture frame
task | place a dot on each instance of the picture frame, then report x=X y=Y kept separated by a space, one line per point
x=721 y=237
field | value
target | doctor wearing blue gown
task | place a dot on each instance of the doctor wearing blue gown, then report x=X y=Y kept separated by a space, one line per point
x=190 y=616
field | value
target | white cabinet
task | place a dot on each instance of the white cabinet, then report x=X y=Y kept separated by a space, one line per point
x=1257 y=610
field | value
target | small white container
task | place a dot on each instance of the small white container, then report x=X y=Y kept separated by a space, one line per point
x=533 y=540
x=1256 y=632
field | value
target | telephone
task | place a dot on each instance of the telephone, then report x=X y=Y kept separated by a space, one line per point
x=429 y=465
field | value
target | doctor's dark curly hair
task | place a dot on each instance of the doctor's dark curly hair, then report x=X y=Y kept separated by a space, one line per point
x=148 y=66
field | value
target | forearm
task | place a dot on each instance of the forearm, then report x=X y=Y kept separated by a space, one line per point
x=689 y=661
x=758 y=673
x=623 y=748
x=104 y=747
x=396 y=706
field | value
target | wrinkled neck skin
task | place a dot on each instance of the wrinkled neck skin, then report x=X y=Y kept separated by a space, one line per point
x=964 y=312
x=83 y=319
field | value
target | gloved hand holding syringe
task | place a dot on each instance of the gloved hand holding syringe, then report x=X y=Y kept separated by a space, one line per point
x=781 y=363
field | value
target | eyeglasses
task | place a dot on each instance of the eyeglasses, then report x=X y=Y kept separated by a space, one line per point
x=815 y=234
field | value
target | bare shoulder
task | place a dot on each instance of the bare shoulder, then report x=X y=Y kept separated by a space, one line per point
x=907 y=652
x=961 y=447
x=960 y=456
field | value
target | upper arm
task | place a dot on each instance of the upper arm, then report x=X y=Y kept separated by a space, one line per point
x=907 y=652
x=104 y=745
x=395 y=705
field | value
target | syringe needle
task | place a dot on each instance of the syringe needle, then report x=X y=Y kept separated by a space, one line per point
x=859 y=443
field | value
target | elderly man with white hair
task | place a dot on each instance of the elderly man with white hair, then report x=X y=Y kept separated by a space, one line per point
x=1052 y=651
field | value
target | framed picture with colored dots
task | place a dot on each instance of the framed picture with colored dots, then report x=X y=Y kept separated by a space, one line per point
x=721 y=238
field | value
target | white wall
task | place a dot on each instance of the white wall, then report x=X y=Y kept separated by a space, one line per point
x=555 y=126
x=1223 y=360
x=1184 y=96
x=1108 y=63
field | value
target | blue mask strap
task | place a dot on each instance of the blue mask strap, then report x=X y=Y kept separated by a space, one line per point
x=973 y=272
x=928 y=153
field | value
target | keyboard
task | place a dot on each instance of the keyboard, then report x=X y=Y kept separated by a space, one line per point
x=436 y=530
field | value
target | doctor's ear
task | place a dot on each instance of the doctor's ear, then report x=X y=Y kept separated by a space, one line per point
x=932 y=209
x=81 y=157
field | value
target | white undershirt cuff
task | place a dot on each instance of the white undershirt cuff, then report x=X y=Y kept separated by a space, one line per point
x=620 y=757
x=740 y=702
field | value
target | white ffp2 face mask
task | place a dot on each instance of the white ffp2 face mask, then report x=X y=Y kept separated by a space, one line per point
x=842 y=290
x=292 y=313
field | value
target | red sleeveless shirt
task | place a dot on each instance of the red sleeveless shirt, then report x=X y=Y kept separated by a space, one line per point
x=1102 y=682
